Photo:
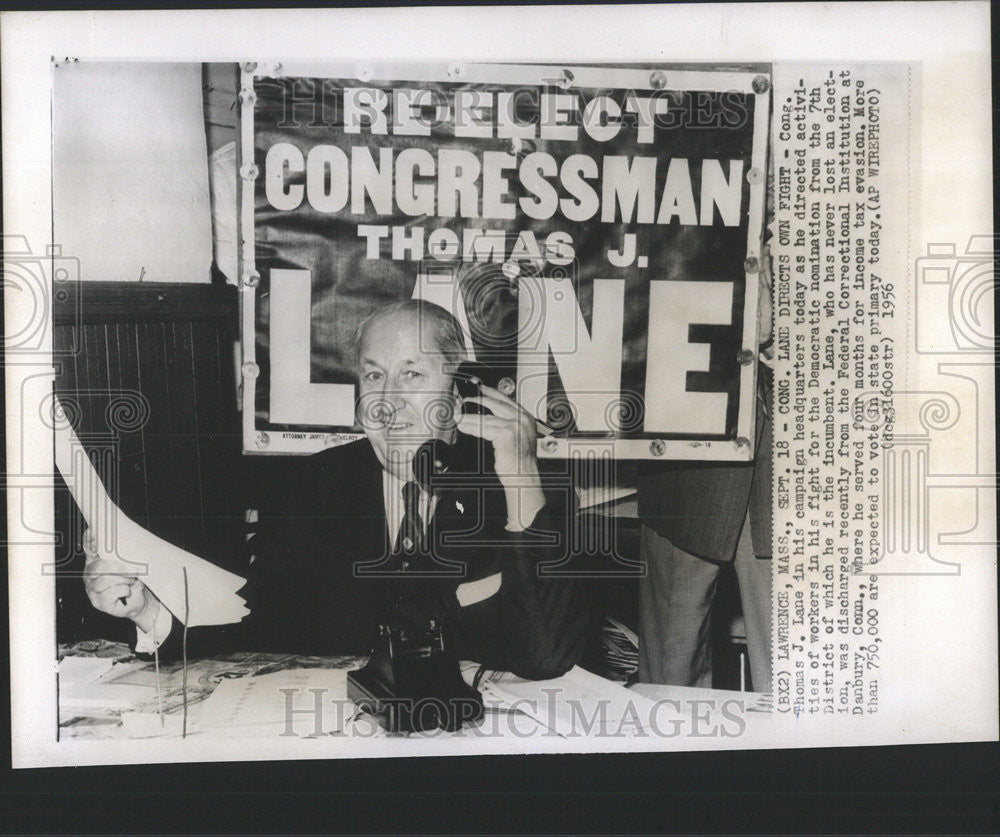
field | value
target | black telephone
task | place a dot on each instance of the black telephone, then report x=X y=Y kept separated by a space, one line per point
x=471 y=376
x=411 y=685
x=438 y=464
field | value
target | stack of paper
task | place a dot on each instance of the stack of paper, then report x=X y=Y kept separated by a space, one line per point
x=619 y=651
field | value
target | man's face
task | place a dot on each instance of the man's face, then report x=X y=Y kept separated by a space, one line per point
x=406 y=392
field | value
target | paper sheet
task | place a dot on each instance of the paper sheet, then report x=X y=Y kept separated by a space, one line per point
x=265 y=701
x=211 y=590
x=575 y=704
x=82 y=670
x=80 y=692
x=753 y=701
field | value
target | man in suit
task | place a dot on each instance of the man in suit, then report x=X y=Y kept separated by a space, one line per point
x=359 y=543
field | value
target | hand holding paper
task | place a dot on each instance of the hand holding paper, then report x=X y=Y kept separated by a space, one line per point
x=113 y=588
x=145 y=568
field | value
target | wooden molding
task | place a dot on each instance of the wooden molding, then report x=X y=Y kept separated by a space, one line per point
x=110 y=302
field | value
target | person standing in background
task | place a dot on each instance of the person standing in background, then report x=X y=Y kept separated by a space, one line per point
x=695 y=518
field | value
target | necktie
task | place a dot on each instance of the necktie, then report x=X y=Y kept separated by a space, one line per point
x=409 y=541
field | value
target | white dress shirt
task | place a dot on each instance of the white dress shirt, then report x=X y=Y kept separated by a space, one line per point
x=392 y=496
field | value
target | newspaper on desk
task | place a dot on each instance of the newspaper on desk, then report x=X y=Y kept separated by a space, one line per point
x=877 y=211
x=106 y=691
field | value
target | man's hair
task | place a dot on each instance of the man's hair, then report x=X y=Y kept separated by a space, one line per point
x=439 y=329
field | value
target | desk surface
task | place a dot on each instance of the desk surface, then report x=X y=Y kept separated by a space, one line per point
x=106 y=692
x=104 y=681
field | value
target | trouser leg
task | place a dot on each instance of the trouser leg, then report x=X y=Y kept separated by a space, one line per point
x=754 y=577
x=675 y=610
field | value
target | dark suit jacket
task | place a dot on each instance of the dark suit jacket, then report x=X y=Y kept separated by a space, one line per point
x=700 y=506
x=322 y=577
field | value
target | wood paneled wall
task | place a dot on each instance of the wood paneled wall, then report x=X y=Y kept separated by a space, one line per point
x=146 y=373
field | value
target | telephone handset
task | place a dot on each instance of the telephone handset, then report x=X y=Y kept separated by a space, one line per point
x=471 y=376
x=437 y=464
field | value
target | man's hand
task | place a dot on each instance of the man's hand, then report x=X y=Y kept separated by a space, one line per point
x=511 y=429
x=113 y=588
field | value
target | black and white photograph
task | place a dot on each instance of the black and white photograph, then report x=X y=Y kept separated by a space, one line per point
x=377 y=404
